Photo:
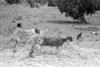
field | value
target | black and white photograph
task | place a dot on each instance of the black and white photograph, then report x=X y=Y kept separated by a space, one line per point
x=49 y=33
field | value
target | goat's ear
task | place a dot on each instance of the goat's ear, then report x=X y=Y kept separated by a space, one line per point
x=37 y=30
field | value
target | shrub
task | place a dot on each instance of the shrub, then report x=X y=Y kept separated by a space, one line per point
x=13 y=1
x=51 y=2
x=41 y=2
x=32 y=2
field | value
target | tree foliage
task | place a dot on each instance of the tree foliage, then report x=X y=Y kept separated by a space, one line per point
x=13 y=1
x=32 y=2
x=78 y=8
x=50 y=2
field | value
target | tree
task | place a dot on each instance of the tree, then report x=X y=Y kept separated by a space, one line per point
x=32 y=3
x=52 y=3
x=11 y=2
x=41 y=2
x=78 y=8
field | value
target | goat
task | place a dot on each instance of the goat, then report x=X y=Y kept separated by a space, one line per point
x=57 y=42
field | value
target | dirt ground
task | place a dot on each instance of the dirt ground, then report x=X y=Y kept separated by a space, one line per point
x=78 y=53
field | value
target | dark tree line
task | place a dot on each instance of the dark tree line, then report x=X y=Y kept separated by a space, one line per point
x=32 y=2
x=73 y=8
x=50 y=2
x=13 y=1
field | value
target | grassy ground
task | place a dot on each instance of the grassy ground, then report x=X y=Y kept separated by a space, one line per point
x=76 y=54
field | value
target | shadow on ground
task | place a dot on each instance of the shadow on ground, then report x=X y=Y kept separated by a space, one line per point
x=67 y=22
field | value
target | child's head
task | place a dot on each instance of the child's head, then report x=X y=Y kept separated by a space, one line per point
x=19 y=25
x=37 y=30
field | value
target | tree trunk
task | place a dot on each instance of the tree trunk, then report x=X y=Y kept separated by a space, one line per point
x=83 y=20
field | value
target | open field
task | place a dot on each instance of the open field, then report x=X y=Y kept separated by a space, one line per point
x=83 y=53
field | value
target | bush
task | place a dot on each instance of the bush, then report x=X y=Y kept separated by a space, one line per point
x=78 y=8
x=41 y=2
x=13 y=1
x=51 y=2
x=32 y=2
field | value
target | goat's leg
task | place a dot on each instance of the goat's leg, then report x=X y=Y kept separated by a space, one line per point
x=31 y=51
x=34 y=49
x=16 y=42
x=30 y=55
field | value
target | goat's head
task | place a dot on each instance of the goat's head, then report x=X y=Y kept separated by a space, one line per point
x=69 y=38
